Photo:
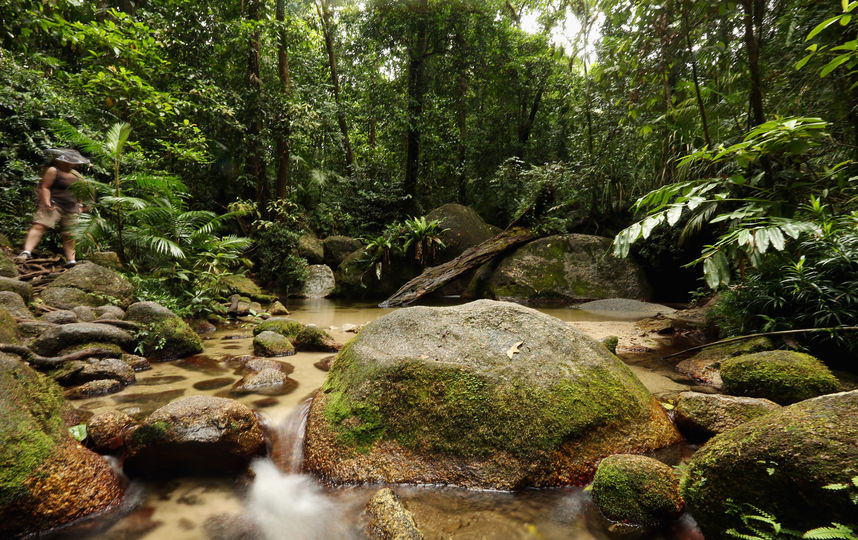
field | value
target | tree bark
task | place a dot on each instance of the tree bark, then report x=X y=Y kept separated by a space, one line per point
x=256 y=160
x=324 y=11
x=754 y=11
x=700 y=104
x=416 y=95
x=283 y=142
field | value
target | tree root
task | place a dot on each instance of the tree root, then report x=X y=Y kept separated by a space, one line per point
x=52 y=361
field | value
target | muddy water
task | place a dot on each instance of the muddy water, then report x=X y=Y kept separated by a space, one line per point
x=281 y=504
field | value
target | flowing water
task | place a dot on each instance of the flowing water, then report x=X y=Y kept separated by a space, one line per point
x=274 y=501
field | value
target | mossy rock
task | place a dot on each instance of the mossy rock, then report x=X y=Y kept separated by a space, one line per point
x=14 y=304
x=636 y=490
x=281 y=325
x=566 y=268
x=311 y=338
x=704 y=365
x=337 y=248
x=780 y=464
x=388 y=518
x=356 y=278
x=464 y=228
x=244 y=286
x=700 y=416
x=7 y=266
x=781 y=376
x=310 y=247
x=46 y=478
x=65 y=336
x=8 y=328
x=487 y=394
x=164 y=335
x=22 y=288
x=269 y=343
x=95 y=286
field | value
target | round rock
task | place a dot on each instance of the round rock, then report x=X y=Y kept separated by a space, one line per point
x=782 y=376
x=636 y=490
x=701 y=415
x=272 y=344
x=104 y=431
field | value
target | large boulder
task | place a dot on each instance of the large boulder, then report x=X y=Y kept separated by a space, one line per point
x=704 y=365
x=779 y=464
x=88 y=284
x=14 y=304
x=22 y=288
x=464 y=228
x=311 y=248
x=196 y=434
x=636 y=490
x=781 y=376
x=566 y=268
x=64 y=336
x=701 y=415
x=356 y=276
x=487 y=394
x=164 y=336
x=319 y=283
x=46 y=478
x=337 y=248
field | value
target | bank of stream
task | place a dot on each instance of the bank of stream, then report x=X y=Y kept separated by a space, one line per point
x=279 y=502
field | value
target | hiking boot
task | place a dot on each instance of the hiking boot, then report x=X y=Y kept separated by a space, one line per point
x=24 y=256
x=69 y=264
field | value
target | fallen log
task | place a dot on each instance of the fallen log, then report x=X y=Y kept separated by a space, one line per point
x=436 y=276
x=52 y=361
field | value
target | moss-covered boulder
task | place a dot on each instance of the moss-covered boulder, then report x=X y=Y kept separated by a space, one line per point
x=281 y=325
x=46 y=478
x=337 y=248
x=88 y=284
x=487 y=394
x=22 y=288
x=319 y=283
x=781 y=376
x=704 y=365
x=310 y=247
x=356 y=276
x=464 y=229
x=636 y=490
x=8 y=328
x=65 y=336
x=779 y=464
x=270 y=343
x=7 y=266
x=196 y=434
x=244 y=286
x=312 y=338
x=700 y=416
x=164 y=336
x=566 y=268
x=14 y=304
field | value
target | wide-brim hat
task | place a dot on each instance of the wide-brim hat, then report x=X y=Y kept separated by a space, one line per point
x=67 y=155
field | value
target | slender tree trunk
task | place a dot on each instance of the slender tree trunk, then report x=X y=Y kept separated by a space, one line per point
x=416 y=95
x=256 y=161
x=753 y=18
x=691 y=55
x=373 y=82
x=283 y=142
x=324 y=11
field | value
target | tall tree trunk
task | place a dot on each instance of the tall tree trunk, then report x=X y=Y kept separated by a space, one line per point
x=324 y=11
x=373 y=82
x=753 y=28
x=256 y=161
x=283 y=142
x=416 y=95
x=700 y=104
x=527 y=116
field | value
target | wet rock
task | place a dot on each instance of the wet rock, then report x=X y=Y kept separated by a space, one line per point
x=8 y=268
x=704 y=415
x=464 y=229
x=88 y=284
x=566 y=268
x=109 y=311
x=388 y=518
x=266 y=381
x=46 y=478
x=319 y=283
x=107 y=368
x=99 y=387
x=197 y=434
x=34 y=329
x=68 y=335
x=636 y=490
x=487 y=394
x=311 y=338
x=165 y=336
x=256 y=365
x=703 y=366
x=21 y=288
x=272 y=344
x=8 y=328
x=325 y=363
x=84 y=313
x=14 y=304
x=778 y=463
x=353 y=328
x=204 y=327
x=337 y=248
x=281 y=325
x=137 y=363
x=213 y=384
x=782 y=376
x=105 y=431
x=61 y=316
x=310 y=247
x=276 y=308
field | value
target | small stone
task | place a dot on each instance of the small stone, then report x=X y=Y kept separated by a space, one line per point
x=348 y=327
x=61 y=316
x=388 y=518
x=109 y=311
x=277 y=308
x=22 y=288
x=311 y=338
x=137 y=363
x=107 y=368
x=325 y=363
x=99 y=387
x=281 y=325
x=104 y=430
x=704 y=415
x=267 y=380
x=84 y=313
x=14 y=304
x=272 y=344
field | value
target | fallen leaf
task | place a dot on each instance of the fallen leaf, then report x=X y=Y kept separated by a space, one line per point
x=514 y=349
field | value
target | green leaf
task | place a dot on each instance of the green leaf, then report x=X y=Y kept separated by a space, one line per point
x=801 y=63
x=822 y=26
x=78 y=432
x=834 y=64
x=673 y=214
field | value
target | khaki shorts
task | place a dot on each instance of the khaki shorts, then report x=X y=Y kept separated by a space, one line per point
x=50 y=218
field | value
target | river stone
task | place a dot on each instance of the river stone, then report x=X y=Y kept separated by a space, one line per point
x=22 y=288
x=84 y=313
x=14 y=304
x=312 y=338
x=319 y=283
x=165 y=336
x=109 y=311
x=196 y=434
x=276 y=308
x=701 y=415
x=782 y=376
x=272 y=344
x=95 y=285
x=487 y=394
x=636 y=490
x=105 y=431
x=9 y=332
x=69 y=335
x=106 y=368
x=464 y=229
x=244 y=286
x=46 y=478
x=337 y=248
x=8 y=268
x=778 y=463
x=60 y=316
x=388 y=518
x=280 y=325
x=98 y=387
x=703 y=366
x=267 y=380
x=310 y=247
x=255 y=365
x=137 y=363
x=566 y=268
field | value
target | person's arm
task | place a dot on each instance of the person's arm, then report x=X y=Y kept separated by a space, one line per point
x=45 y=188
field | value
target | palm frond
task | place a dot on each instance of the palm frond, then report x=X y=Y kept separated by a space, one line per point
x=115 y=139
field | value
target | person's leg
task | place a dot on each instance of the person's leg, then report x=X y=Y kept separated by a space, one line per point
x=34 y=235
x=68 y=247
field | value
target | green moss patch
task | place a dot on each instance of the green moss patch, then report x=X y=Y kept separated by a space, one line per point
x=781 y=376
x=279 y=325
x=636 y=490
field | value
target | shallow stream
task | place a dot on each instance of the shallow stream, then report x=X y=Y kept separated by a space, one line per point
x=278 y=503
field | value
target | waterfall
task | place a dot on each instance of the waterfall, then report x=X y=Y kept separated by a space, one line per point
x=287 y=451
